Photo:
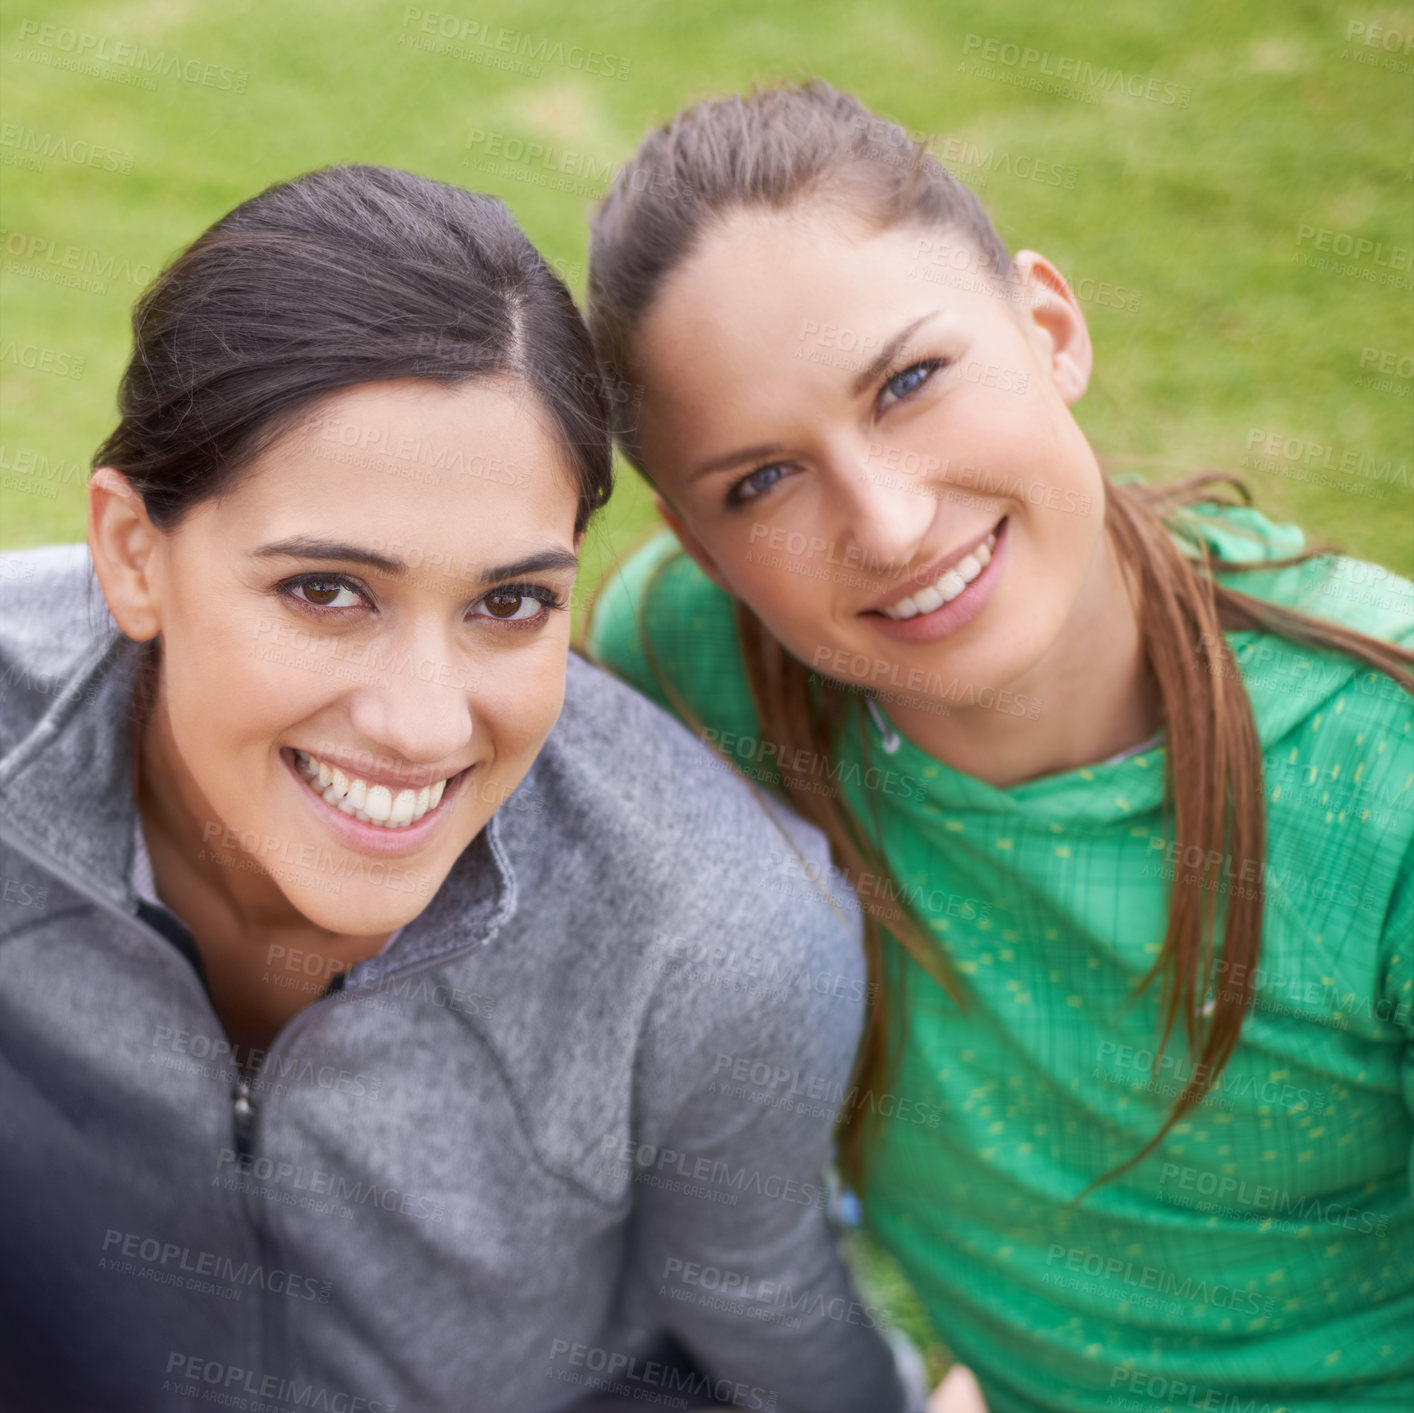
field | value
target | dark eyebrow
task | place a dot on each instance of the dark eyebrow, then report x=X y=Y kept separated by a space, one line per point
x=887 y=354
x=532 y=564
x=311 y=547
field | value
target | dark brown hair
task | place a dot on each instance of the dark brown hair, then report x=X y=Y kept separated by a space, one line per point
x=784 y=146
x=343 y=276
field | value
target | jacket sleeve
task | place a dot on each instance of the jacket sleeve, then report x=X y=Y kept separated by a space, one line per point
x=732 y=1244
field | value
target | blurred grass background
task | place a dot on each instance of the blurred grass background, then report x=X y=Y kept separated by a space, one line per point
x=1181 y=214
x=1189 y=217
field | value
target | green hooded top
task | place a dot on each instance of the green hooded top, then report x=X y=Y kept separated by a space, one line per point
x=1262 y=1257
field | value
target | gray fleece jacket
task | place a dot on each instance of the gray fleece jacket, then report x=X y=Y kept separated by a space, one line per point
x=516 y=1160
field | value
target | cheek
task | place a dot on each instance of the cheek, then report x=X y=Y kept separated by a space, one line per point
x=792 y=595
x=242 y=682
x=518 y=699
x=1057 y=536
x=1050 y=558
x=236 y=681
x=1004 y=414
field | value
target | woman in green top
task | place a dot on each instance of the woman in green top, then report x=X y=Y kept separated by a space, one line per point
x=1124 y=776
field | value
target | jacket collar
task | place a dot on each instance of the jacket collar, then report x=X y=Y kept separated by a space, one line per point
x=66 y=799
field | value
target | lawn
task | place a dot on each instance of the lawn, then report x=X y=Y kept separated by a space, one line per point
x=1230 y=187
x=1227 y=185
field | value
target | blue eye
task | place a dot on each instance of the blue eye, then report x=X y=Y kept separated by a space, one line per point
x=910 y=379
x=756 y=483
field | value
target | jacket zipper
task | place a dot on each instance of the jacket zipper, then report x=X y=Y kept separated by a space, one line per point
x=244 y=1108
x=243 y=1095
x=244 y=1117
x=274 y=1327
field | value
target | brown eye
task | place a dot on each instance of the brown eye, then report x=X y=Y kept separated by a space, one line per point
x=503 y=603
x=329 y=591
x=322 y=591
x=516 y=603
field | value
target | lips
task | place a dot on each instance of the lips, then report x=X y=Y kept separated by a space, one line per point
x=949 y=578
x=905 y=616
x=364 y=835
x=368 y=802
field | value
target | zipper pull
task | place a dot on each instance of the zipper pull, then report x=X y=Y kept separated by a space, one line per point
x=891 y=739
x=245 y=1116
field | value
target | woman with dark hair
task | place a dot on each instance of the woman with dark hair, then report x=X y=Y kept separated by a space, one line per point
x=371 y=969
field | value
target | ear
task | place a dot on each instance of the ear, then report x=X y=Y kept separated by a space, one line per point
x=692 y=546
x=124 y=544
x=1055 y=324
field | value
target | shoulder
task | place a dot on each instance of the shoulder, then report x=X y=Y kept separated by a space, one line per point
x=52 y=617
x=704 y=869
x=1337 y=734
x=1295 y=687
x=1338 y=737
x=661 y=625
x=644 y=775
x=666 y=914
x=1338 y=754
x=1335 y=587
x=45 y=599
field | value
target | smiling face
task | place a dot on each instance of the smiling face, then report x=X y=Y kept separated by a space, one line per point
x=363 y=645
x=869 y=441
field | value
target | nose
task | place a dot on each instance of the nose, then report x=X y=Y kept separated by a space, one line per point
x=884 y=513
x=416 y=703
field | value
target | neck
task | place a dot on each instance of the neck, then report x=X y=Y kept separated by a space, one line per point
x=1097 y=695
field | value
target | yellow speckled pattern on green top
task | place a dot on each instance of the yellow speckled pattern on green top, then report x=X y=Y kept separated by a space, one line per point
x=1262 y=1258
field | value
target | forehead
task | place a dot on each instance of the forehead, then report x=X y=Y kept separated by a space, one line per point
x=772 y=309
x=770 y=271
x=413 y=460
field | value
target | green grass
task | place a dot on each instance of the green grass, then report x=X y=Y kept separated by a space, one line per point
x=1196 y=211
x=884 y=1286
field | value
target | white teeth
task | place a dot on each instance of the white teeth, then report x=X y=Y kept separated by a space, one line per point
x=403 y=804
x=369 y=804
x=947 y=586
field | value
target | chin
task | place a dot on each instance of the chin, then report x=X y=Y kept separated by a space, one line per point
x=358 y=910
